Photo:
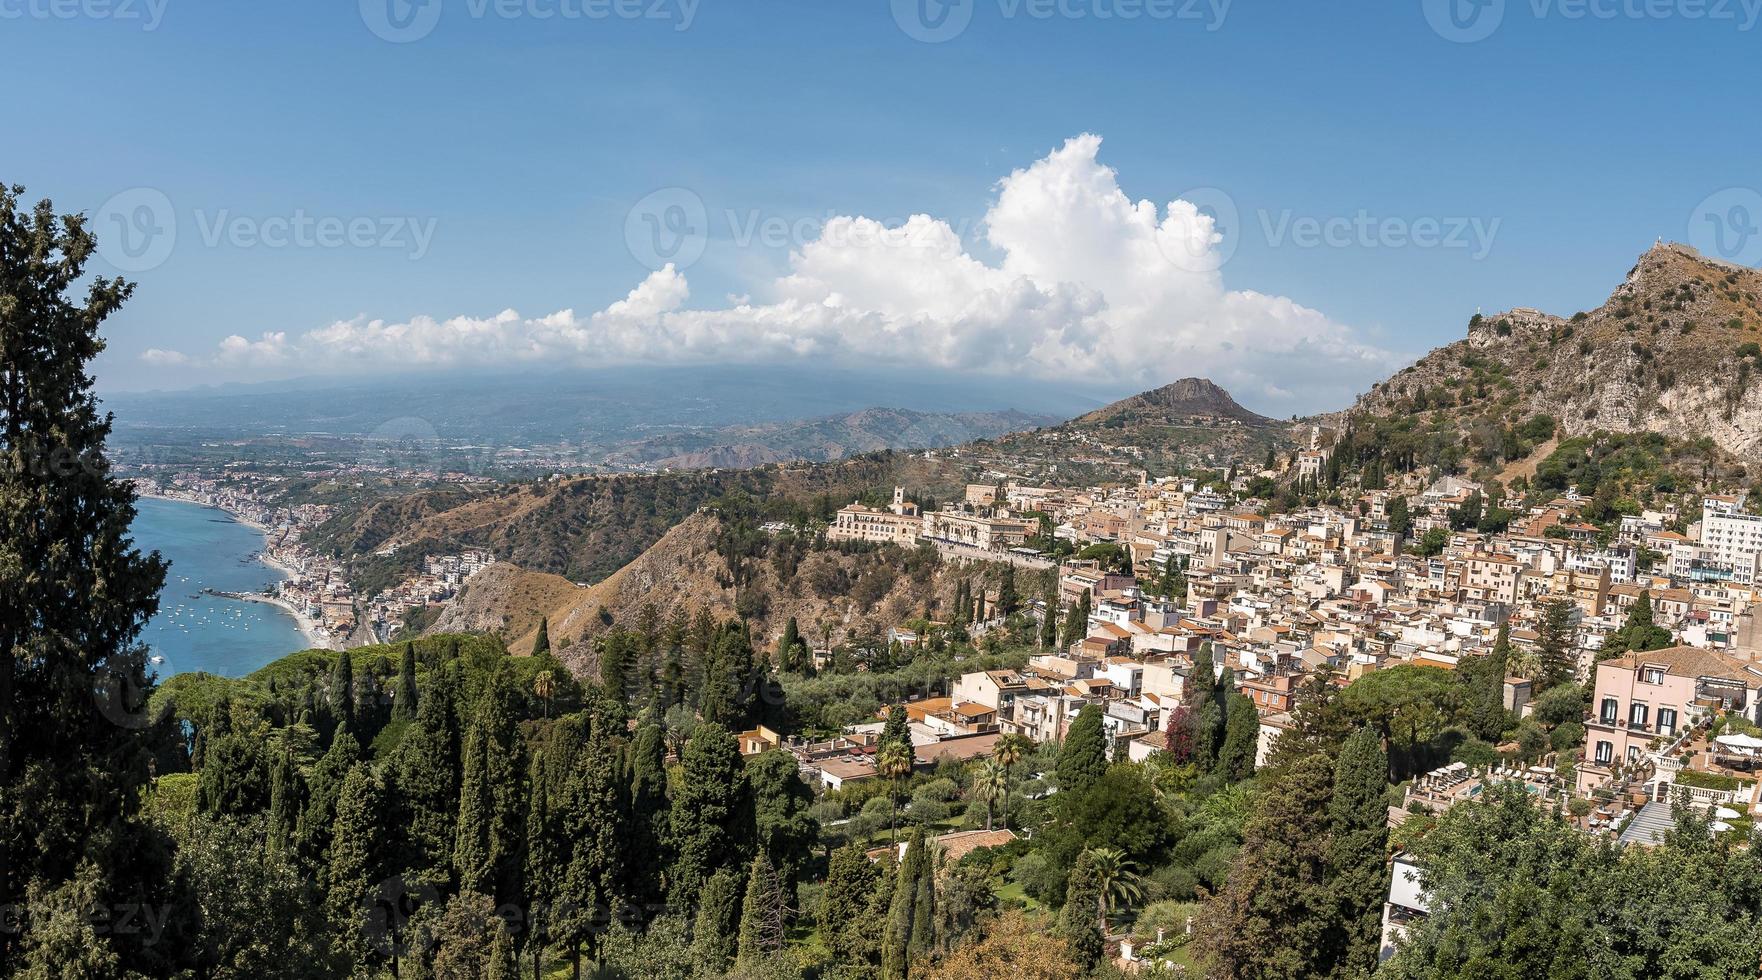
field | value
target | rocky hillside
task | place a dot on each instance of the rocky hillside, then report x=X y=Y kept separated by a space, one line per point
x=1673 y=351
x=1187 y=402
x=688 y=569
x=1191 y=422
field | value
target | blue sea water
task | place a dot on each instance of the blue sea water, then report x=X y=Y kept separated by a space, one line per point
x=193 y=631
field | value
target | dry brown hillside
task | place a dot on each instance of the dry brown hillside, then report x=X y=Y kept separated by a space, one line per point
x=1673 y=351
x=822 y=588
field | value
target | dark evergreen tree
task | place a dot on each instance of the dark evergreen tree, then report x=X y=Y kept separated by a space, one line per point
x=762 y=917
x=783 y=829
x=492 y=797
x=851 y=879
x=1083 y=756
x=234 y=781
x=75 y=726
x=319 y=817
x=1275 y=909
x=341 y=693
x=354 y=868
x=1556 y=653
x=715 y=938
x=1049 y=622
x=709 y=797
x=404 y=699
x=1008 y=601
x=1079 y=922
x=1358 y=815
x=425 y=780
x=1241 y=740
x=648 y=829
x=541 y=644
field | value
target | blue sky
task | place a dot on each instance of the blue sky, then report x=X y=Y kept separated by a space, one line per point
x=514 y=147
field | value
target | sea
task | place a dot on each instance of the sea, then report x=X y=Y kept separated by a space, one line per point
x=194 y=631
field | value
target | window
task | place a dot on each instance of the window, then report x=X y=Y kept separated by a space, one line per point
x=1605 y=753
x=1636 y=715
x=1611 y=708
x=1667 y=720
x=1653 y=675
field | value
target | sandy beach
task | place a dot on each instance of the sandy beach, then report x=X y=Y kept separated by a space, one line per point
x=318 y=639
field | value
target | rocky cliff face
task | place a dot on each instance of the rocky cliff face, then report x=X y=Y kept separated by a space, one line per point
x=1672 y=351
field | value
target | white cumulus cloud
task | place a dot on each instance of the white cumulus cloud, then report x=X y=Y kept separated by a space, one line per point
x=1089 y=285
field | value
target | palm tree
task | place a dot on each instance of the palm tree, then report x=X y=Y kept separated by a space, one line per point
x=542 y=686
x=1119 y=881
x=991 y=784
x=894 y=762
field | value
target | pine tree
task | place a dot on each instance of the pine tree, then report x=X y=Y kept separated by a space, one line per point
x=761 y=917
x=1487 y=712
x=1083 y=757
x=358 y=844
x=1556 y=661
x=1358 y=816
x=74 y=595
x=710 y=795
x=1078 y=921
x=404 y=701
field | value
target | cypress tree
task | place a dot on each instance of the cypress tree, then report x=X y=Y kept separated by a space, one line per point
x=1554 y=644
x=715 y=936
x=1273 y=915
x=593 y=820
x=897 y=728
x=1083 y=757
x=354 y=866
x=1359 y=818
x=74 y=596
x=342 y=694
x=851 y=879
x=492 y=799
x=404 y=701
x=1241 y=740
x=1007 y=599
x=761 y=917
x=1077 y=621
x=546 y=860
x=286 y=797
x=710 y=796
x=541 y=644
x=788 y=659
x=924 y=904
x=1487 y=700
x=234 y=781
x=1078 y=921
x=425 y=776
x=896 y=943
x=648 y=813
x=319 y=817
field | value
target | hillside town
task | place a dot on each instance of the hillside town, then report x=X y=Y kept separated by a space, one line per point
x=1332 y=592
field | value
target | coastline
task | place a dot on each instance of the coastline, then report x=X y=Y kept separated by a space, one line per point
x=308 y=628
x=315 y=638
